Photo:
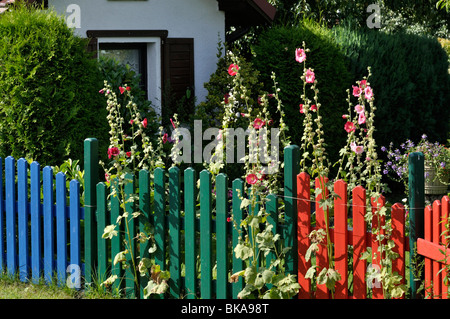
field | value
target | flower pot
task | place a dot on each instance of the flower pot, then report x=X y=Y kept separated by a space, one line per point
x=434 y=186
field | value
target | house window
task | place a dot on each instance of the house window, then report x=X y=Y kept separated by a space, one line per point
x=133 y=54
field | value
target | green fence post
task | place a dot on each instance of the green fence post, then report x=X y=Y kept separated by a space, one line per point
x=175 y=232
x=90 y=201
x=291 y=170
x=416 y=200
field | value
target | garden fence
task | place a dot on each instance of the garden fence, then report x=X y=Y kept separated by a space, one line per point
x=45 y=232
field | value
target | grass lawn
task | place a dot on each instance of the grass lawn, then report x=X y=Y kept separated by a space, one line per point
x=13 y=288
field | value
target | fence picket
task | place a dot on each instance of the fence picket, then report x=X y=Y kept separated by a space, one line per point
x=205 y=235
x=322 y=219
x=49 y=232
x=398 y=236
x=102 y=256
x=22 y=218
x=10 y=198
x=75 y=230
x=303 y=231
x=272 y=219
x=435 y=235
x=116 y=241
x=160 y=217
x=444 y=212
x=36 y=232
x=130 y=227
x=341 y=239
x=2 y=221
x=222 y=236
x=190 y=177
x=238 y=264
x=144 y=208
x=359 y=242
x=61 y=228
x=377 y=221
x=175 y=232
x=428 y=265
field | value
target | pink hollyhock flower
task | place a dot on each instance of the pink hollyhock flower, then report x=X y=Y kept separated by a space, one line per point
x=300 y=55
x=107 y=177
x=101 y=91
x=356 y=91
x=165 y=138
x=361 y=118
x=310 y=76
x=121 y=89
x=349 y=127
x=131 y=122
x=301 y=108
x=359 y=108
x=362 y=84
x=344 y=116
x=258 y=123
x=228 y=219
x=113 y=151
x=232 y=69
x=358 y=149
x=368 y=93
x=251 y=179
x=313 y=108
x=144 y=123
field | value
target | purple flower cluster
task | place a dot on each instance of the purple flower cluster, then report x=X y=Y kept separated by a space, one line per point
x=396 y=166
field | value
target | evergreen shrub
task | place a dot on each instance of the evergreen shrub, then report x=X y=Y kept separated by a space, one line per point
x=275 y=51
x=410 y=80
x=49 y=88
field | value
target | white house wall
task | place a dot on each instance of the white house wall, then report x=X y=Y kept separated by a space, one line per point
x=198 y=19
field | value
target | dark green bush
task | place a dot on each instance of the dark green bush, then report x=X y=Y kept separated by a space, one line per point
x=118 y=74
x=275 y=52
x=410 y=82
x=49 y=84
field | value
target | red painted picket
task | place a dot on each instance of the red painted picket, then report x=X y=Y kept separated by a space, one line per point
x=359 y=236
x=434 y=248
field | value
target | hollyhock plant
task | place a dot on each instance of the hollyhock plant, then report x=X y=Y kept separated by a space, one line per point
x=359 y=108
x=368 y=93
x=349 y=127
x=356 y=91
x=251 y=179
x=258 y=123
x=300 y=55
x=310 y=76
x=233 y=69
x=361 y=118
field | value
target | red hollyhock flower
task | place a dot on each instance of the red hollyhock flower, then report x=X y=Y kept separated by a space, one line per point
x=251 y=179
x=113 y=151
x=121 y=89
x=232 y=69
x=144 y=123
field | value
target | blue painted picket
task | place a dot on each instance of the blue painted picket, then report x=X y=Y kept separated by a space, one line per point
x=40 y=233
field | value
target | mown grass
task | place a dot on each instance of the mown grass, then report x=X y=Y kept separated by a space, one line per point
x=13 y=288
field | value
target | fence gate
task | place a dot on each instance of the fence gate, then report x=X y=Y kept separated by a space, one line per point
x=434 y=248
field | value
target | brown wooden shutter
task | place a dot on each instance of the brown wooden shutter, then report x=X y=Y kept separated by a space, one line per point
x=178 y=74
x=179 y=64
